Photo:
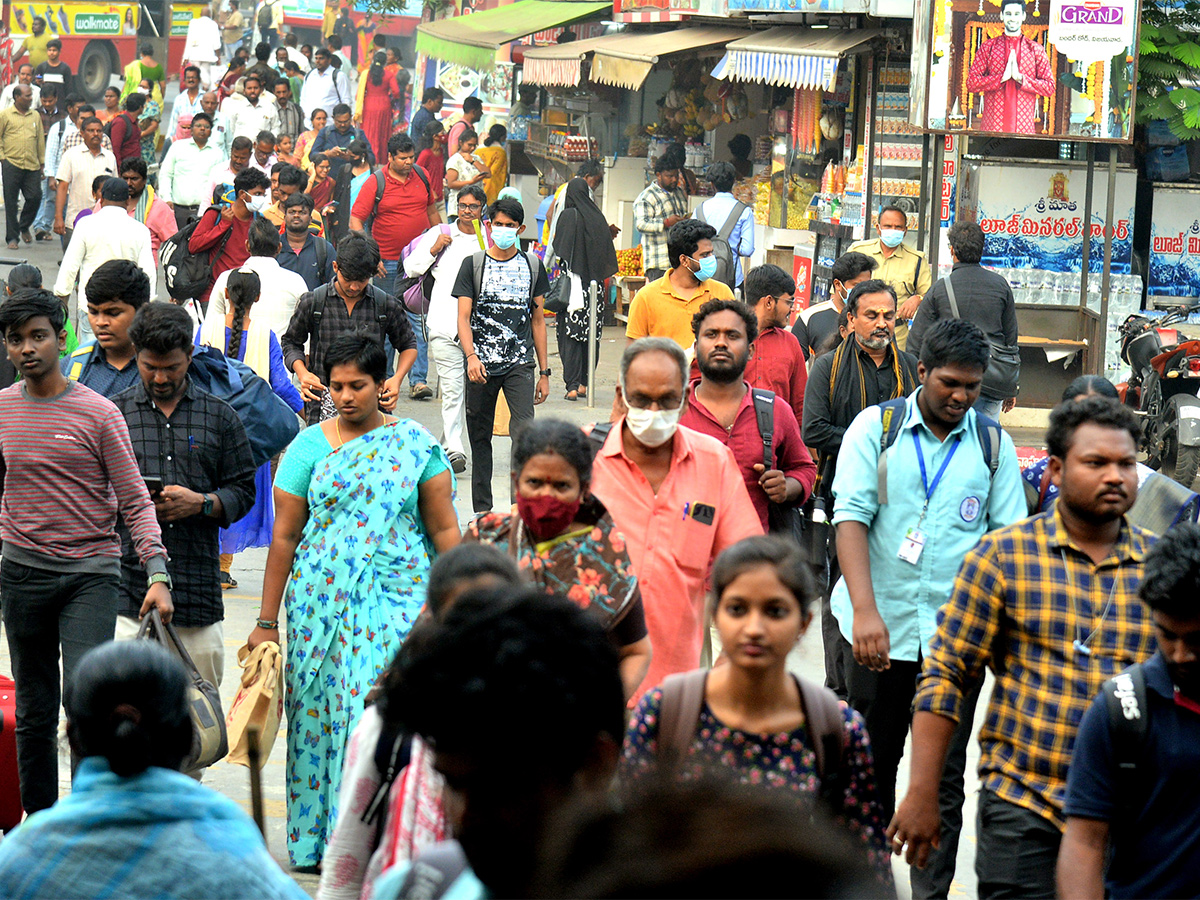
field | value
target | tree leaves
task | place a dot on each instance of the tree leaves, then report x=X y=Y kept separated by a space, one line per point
x=1169 y=57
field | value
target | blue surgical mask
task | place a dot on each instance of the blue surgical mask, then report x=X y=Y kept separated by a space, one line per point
x=503 y=236
x=891 y=237
x=708 y=268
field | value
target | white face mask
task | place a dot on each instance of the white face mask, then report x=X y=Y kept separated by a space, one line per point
x=256 y=203
x=653 y=427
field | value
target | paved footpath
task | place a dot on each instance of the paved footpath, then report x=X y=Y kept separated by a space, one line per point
x=241 y=603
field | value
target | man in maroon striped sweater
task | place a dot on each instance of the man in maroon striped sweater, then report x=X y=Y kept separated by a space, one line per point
x=68 y=468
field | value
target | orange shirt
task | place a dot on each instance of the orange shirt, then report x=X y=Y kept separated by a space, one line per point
x=672 y=539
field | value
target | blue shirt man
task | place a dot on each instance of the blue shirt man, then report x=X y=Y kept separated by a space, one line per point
x=718 y=208
x=903 y=528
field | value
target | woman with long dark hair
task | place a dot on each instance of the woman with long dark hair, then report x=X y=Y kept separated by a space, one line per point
x=496 y=158
x=373 y=106
x=253 y=343
x=431 y=156
x=583 y=243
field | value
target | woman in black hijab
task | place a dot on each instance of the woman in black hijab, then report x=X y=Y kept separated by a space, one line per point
x=583 y=243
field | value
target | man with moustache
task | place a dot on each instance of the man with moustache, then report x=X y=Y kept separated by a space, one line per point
x=909 y=502
x=722 y=404
x=1050 y=605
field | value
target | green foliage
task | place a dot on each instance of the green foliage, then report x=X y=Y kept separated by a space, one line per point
x=1168 y=57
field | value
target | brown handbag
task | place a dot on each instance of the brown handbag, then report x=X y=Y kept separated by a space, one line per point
x=210 y=742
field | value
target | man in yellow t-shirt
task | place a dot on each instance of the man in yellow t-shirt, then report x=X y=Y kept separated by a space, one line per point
x=905 y=269
x=664 y=308
x=35 y=44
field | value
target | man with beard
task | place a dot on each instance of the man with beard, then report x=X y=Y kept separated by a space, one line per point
x=918 y=483
x=867 y=368
x=1153 y=823
x=723 y=405
x=144 y=206
x=1050 y=605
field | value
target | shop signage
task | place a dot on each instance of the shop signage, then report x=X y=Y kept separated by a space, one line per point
x=949 y=179
x=827 y=6
x=1049 y=69
x=656 y=6
x=1032 y=217
x=1174 y=263
x=113 y=19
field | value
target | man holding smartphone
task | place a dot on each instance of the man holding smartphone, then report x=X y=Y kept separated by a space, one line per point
x=72 y=470
x=196 y=461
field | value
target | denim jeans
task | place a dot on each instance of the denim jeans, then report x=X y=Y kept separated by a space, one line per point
x=43 y=610
x=988 y=407
x=45 y=216
x=1017 y=850
x=419 y=373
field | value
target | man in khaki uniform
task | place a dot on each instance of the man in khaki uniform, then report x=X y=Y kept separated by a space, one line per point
x=905 y=269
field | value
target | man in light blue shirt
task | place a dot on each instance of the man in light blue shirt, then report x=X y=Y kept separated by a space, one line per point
x=903 y=528
x=718 y=209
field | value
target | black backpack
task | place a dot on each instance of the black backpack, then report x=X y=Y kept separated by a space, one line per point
x=188 y=274
x=727 y=263
x=1129 y=724
x=264 y=16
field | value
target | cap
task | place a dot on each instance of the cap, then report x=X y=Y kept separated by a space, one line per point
x=116 y=190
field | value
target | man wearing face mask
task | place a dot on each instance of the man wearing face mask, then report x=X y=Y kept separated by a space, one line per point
x=223 y=230
x=721 y=404
x=904 y=268
x=502 y=332
x=677 y=496
x=817 y=326
x=664 y=308
x=866 y=369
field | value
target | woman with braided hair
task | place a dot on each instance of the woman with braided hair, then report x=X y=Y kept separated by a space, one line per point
x=256 y=345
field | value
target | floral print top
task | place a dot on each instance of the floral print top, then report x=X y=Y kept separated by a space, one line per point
x=779 y=762
x=589 y=567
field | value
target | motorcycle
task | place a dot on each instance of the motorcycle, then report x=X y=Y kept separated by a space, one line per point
x=1164 y=390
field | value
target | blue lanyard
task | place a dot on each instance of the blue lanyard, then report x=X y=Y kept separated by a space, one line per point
x=930 y=488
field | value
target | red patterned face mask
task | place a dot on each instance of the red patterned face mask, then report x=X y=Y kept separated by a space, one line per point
x=546 y=516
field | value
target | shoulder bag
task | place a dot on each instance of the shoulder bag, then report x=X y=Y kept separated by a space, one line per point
x=1003 y=376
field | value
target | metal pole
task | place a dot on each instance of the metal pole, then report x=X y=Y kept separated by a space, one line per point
x=1110 y=229
x=1085 y=263
x=935 y=204
x=593 y=345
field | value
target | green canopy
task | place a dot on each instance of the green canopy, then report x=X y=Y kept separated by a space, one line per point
x=473 y=40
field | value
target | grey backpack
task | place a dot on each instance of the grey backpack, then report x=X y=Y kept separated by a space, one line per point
x=727 y=261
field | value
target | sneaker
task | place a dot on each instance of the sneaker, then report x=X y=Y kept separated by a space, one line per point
x=227 y=581
x=458 y=461
x=421 y=392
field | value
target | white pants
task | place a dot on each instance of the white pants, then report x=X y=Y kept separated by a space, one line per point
x=452 y=373
x=206 y=645
x=206 y=73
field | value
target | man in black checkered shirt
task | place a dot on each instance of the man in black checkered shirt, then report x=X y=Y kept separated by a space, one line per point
x=193 y=451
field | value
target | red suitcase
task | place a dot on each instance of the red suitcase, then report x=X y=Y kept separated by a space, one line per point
x=10 y=785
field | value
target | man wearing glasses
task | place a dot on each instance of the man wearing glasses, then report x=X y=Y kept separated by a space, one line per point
x=406 y=207
x=440 y=251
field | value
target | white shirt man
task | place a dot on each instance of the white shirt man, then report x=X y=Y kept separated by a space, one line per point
x=185 y=105
x=79 y=167
x=324 y=89
x=281 y=291
x=202 y=45
x=298 y=58
x=6 y=99
x=108 y=233
x=442 y=320
x=246 y=118
x=187 y=171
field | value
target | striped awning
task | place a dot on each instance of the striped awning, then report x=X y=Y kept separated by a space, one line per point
x=792 y=56
x=624 y=59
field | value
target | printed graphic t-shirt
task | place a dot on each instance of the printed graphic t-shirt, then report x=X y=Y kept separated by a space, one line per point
x=502 y=321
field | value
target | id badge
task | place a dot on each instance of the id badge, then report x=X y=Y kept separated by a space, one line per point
x=912 y=545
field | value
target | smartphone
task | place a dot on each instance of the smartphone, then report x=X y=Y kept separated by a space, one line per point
x=154 y=485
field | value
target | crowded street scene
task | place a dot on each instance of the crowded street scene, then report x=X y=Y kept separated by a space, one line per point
x=793 y=413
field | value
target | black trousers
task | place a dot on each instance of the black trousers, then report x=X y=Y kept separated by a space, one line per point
x=574 y=355
x=184 y=213
x=837 y=649
x=1017 y=851
x=518 y=384
x=20 y=182
x=43 y=610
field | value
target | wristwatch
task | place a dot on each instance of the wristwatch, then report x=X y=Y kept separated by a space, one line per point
x=545 y=372
x=160 y=578
x=206 y=507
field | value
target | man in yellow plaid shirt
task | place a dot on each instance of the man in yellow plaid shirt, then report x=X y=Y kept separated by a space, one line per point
x=1051 y=606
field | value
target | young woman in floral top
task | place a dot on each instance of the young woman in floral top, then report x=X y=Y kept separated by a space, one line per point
x=752 y=727
x=566 y=540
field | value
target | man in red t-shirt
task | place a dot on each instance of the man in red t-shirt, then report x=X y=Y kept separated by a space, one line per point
x=407 y=209
x=232 y=220
x=125 y=132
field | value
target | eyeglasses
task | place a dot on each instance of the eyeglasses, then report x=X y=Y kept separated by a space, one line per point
x=470 y=207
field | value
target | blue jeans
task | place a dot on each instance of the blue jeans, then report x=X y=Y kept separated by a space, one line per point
x=988 y=407
x=45 y=216
x=419 y=373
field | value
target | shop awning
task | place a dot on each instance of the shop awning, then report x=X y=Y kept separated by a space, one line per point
x=473 y=40
x=792 y=56
x=559 y=65
x=627 y=63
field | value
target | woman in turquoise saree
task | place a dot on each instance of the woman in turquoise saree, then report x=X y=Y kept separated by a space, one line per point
x=363 y=503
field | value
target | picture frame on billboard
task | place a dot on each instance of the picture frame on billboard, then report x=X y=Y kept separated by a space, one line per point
x=1063 y=70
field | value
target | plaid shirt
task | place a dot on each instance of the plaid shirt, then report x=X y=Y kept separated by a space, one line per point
x=649 y=209
x=202 y=447
x=1023 y=596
